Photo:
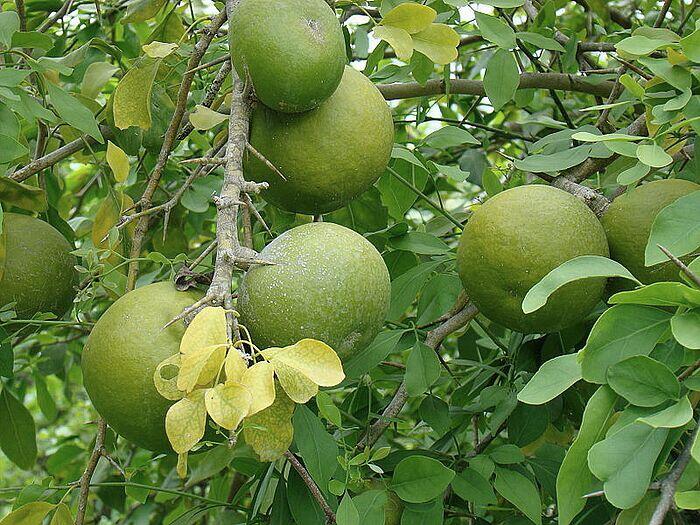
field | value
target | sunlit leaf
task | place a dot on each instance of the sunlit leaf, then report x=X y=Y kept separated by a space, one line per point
x=118 y=161
x=315 y=359
x=259 y=379
x=270 y=431
x=185 y=422
x=438 y=42
x=410 y=16
x=234 y=366
x=165 y=378
x=132 y=96
x=399 y=39
x=30 y=514
x=228 y=404
x=297 y=386
x=159 y=49
x=203 y=118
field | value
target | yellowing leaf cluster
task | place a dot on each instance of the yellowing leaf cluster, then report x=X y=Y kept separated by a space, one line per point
x=409 y=27
x=211 y=377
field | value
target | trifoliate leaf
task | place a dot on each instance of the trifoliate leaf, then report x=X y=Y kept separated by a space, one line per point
x=399 y=39
x=228 y=404
x=118 y=161
x=259 y=379
x=200 y=367
x=438 y=42
x=165 y=378
x=234 y=366
x=297 y=386
x=410 y=16
x=185 y=422
x=270 y=431
x=159 y=49
x=132 y=96
x=203 y=118
x=315 y=359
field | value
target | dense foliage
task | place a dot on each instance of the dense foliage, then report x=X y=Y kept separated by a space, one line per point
x=124 y=125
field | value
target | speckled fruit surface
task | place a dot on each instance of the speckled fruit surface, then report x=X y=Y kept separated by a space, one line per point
x=292 y=50
x=329 y=155
x=39 y=270
x=329 y=284
x=120 y=357
x=628 y=222
x=516 y=238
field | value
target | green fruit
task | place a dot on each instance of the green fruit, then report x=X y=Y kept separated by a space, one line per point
x=38 y=271
x=628 y=222
x=329 y=283
x=329 y=155
x=121 y=355
x=516 y=238
x=293 y=51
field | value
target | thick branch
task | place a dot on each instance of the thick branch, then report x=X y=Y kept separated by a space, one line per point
x=434 y=338
x=558 y=81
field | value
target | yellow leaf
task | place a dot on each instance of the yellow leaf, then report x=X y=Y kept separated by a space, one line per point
x=159 y=49
x=398 y=38
x=118 y=161
x=438 y=42
x=185 y=422
x=182 y=465
x=259 y=379
x=208 y=328
x=297 y=386
x=270 y=431
x=29 y=514
x=315 y=359
x=165 y=378
x=132 y=96
x=200 y=366
x=228 y=404
x=234 y=366
x=62 y=516
x=203 y=118
x=410 y=17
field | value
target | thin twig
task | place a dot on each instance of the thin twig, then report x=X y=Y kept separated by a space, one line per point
x=311 y=484
x=684 y=268
x=89 y=471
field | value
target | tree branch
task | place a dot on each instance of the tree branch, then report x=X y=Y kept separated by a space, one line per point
x=89 y=471
x=311 y=484
x=558 y=81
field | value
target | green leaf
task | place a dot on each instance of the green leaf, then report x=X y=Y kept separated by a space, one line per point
x=96 y=76
x=472 y=486
x=316 y=446
x=585 y=136
x=73 y=112
x=502 y=78
x=369 y=357
x=540 y=41
x=574 y=479
x=399 y=39
x=32 y=40
x=676 y=228
x=582 y=267
x=327 y=409
x=370 y=507
x=691 y=45
x=448 y=137
x=420 y=242
x=62 y=516
x=410 y=16
x=407 y=285
x=13 y=77
x=675 y=416
x=9 y=24
x=491 y=182
x=203 y=118
x=653 y=155
x=545 y=163
x=625 y=461
x=495 y=30
x=639 y=45
x=521 y=492
x=660 y=294
x=142 y=10
x=438 y=42
x=643 y=381
x=17 y=432
x=633 y=174
x=690 y=499
x=118 y=162
x=686 y=328
x=507 y=454
x=418 y=479
x=422 y=369
x=132 y=96
x=347 y=512
x=11 y=149
x=623 y=331
x=22 y=195
x=30 y=514
x=553 y=378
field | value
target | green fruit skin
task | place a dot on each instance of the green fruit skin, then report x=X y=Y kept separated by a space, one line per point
x=39 y=270
x=120 y=357
x=329 y=155
x=292 y=50
x=329 y=283
x=628 y=222
x=516 y=238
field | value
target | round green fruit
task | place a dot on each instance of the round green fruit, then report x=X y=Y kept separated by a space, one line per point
x=329 y=155
x=38 y=271
x=293 y=51
x=329 y=283
x=516 y=238
x=121 y=355
x=628 y=222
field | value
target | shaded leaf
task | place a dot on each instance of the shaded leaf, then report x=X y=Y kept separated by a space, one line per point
x=17 y=431
x=418 y=479
x=676 y=228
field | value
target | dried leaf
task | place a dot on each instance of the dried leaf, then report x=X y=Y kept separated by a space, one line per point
x=185 y=422
x=260 y=381
x=228 y=404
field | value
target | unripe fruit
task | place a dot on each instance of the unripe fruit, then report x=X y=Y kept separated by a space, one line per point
x=329 y=283
x=329 y=155
x=38 y=271
x=293 y=51
x=628 y=222
x=120 y=357
x=516 y=238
